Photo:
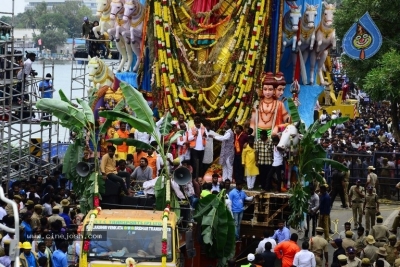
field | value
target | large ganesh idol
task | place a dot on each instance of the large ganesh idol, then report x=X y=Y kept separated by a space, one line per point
x=269 y=112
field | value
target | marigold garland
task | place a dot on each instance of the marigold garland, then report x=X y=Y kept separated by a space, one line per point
x=172 y=71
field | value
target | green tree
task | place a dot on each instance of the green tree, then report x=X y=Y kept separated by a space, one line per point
x=73 y=12
x=27 y=20
x=51 y=21
x=385 y=15
x=40 y=9
x=6 y=19
x=52 y=38
x=310 y=160
x=383 y=82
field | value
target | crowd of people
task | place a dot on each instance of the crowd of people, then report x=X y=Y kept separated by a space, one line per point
x=350 y=249
x=49 y=219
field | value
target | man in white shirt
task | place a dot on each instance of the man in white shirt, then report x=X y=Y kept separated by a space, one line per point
x=304 y=258
x=168 y=156
x=183 y=144
x=197 y=142
x=158 y=127
x=144 y=137
x=227 y=154
x=277 y=166
x=214 y=183
x=27 y=70
x=267 y=238
x=324 y=117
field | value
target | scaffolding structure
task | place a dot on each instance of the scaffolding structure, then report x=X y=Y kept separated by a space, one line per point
x=26 y=145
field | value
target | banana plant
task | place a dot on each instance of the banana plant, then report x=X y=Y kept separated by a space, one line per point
x=142 y=120
x=217 y=227
x=311 y=160
x=79 y=119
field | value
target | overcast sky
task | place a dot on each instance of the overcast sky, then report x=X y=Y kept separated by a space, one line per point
x=6 y=6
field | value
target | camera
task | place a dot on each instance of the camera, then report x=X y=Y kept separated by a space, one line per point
x=34 y=73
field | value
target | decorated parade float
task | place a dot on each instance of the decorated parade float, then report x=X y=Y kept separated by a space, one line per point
x=259 y=63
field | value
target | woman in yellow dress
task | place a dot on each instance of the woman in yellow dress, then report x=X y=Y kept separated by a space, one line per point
x=249 y=163
x=270 y=112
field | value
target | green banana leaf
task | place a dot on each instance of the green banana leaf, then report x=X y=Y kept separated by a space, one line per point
x=101 y=184
x=321 y=161
x=175 y=136
x=67 y=114
x=130 y=142
x=137 y=123
x=294 y=113
x=107 y=123
x=229 y=249
x=87 y=111
x=67 y=164
x=318 y=151
x=176 y=207
x=135 y=100
x=160 y=193
x=217 y=227
x=315 y=175
x=166 y=125
x=321 y=130
x=207 y=220
x=222 y=231
x=64 y=98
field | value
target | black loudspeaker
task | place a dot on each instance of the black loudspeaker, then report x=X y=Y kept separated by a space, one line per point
x=84 y=168
x=182 y=176
x=190 y=250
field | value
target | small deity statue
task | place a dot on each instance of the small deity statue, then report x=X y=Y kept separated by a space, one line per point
x=109 y=99
x=327 y=92
x=118 y=96
x=270 y=112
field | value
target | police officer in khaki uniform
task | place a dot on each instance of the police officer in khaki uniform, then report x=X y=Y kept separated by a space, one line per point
x=348 y=240
x=56 y=217
x=382 y=254
x=397 y=261
x=370 y=251
x=342 y=260
x=319 y=246
x=360 y=241
x=370 y=208
x=352 y=260
x=365 y=262
x=356 y=198
x=380 y=232
x=36 y=216
x=391 y=250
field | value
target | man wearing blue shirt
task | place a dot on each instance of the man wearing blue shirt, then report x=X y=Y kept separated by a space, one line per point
x=237 y=196
x=27 y=257
x=60 y=256
x=46 y=87
x=283 y=233
x=65 y=210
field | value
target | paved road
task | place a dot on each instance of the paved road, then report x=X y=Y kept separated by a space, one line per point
x=388 y=211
